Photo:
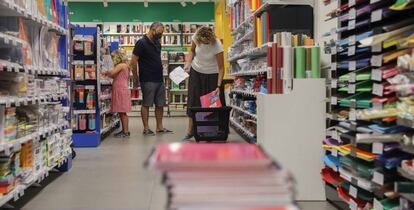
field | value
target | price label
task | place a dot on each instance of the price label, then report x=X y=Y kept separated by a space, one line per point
x=6 y=40
x=352 y=66
x=334 y=152
x=351 y=3
x=333 y=66
x=377 y=205
x=351 y=24
x=353 y=205
x=376 y=75
x=378 y=178
x=334 y=100
x=376 y=15
x=9 y=68
x=25 y=102
x=47 y=173
x=333 y=50
x=15 y=196
x=351 y=88
x=333 y=31
x=8 y=103
x=334 y=83
x=352 y=77
x=17 y=102
x=352 y=14
x=352 y=40
x=269 y=73
x=352 y=115
x=377 y=148
x=376 y=60
x=353 y=191
x=351 y=50
x=376 y=48
x=378 y=89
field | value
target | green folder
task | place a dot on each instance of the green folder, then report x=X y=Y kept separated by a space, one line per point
x=360 y=76
x=362 y=194
x=362 y=168
x=363 y=86
x=389 y=204
x=363 y=100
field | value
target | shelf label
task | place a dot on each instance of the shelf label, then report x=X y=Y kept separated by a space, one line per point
x=351 y=24
x=334 y=83
x=335 y=135
x=376 y=75
x=352 y=40
x=269 y=73
x=6 y=40
x=353 y=205
x=14 y=42
x=352 y=115
x=9 y=68
x=351 y=88
x=6 y=150
x=378 y=178
x=352 y=14
x=17 y=102
x=377 y=47
x=352 y=77
x=8 y=103
x=15 y=196
x=351 y=50
x=333 y=50
x=378 y=89
x=376 y=15
x=333 y=66
x=334 y=100
x=334 y=152
x=25 y=102
x=377 y=205
x=353 y=191
x=376 y=60
x=377 y=148
x=352 y=66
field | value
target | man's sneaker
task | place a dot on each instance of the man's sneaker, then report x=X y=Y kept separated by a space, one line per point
x=148 y=133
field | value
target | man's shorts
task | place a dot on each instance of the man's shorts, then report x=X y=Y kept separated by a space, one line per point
x=153 y=93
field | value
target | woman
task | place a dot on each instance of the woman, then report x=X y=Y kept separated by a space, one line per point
x=121 y=95
x=205 y=62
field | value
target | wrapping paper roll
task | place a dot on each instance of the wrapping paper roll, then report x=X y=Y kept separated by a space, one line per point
x=316 y=62
x=308 y=63
x=300 y=57
x=287 y=63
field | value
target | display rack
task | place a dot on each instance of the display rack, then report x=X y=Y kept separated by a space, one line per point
x=35 y=134
x=366 y=118
x=258 y=29
x=93 y=119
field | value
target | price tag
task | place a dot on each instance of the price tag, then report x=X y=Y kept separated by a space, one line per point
x=377 y=148
x=352 y=66
x=334 y=152
x=378 y=89
x=352 y=77
x=17 y=102
x=16 y=146
x=21 y=192
x=352 y=40
x=376 y=60
x=352 y=115
x=25 y=102
x=353 y=205
x=333 y=50
x=377 y=205
x=352 y=14
x=351 y=24
x=15 y=196
x=334 y=100
x=376 y=15
x=351 y=50
x=376 y=75
x=335 y=135
x=351 y=88
x=376 y=48
x=333 y=66
x=351 y=3
x=334 y=83
x=353 y=191
x=378 y=178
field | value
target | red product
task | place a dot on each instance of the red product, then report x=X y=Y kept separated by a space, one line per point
x=279 y=65
x=330 y=176
x=274 y=56
x=210 y=100
x=269 y=66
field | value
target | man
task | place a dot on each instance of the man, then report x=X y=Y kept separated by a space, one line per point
x=147 y=53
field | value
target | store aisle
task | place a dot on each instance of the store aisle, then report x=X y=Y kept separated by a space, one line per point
x=112 y=176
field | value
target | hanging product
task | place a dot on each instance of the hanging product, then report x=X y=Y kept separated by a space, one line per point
x=90 y=70
x=91 y=122
x=78 y=70
x=82 y=122
x=88 y=45
x=78 y=43
x=90 y=97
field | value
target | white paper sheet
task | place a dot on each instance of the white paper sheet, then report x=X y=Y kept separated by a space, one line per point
x=178 y=75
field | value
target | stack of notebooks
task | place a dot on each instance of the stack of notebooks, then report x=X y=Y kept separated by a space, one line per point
x=222 y=177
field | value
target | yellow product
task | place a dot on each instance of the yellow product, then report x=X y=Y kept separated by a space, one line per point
x=369 y=114
x=41 y=7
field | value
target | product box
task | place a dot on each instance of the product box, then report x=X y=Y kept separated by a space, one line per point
x=90 y=70
x=78 y=70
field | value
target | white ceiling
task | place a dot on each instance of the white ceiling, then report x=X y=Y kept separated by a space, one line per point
x=139 y=1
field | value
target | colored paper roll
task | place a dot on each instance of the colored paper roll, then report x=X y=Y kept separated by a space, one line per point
x=300 y=58
x=308 y=63
x=287 y=63
x=316 y=62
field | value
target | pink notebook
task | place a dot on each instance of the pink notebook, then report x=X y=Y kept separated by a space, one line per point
x=210 y=100
x=178 y=156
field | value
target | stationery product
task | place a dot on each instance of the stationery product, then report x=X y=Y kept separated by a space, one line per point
x=315 y=62
x=90 y=97
x=90 y=70
x=88 y=45
x=300 y=56
x=287 y=70
x=91 y=122
x=78 y=70
x=210 y=100
x=82 y=122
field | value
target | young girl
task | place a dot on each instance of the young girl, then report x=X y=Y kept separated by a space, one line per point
x=206 y=66
x=121 y=95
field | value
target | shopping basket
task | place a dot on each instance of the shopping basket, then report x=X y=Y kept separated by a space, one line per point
x=210 y=124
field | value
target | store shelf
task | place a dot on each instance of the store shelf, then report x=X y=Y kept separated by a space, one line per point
x=246 y=37
x=408 y=196
x=178 y=103
x=42 y=132
x=179 y=91
x=136 y=99
x=105 y=97
x=245 y=93
x=266 y=5
x=255 y=52
x=408 y=149
x=9 y=8
x=244 y=111
x=123 y=34
x=177 y=63
x=84 y=111
x=18 y=101
x=246 y=132
x=11 y=40
x=240 y=27
x=108 y=128
x=405 y=174
x=249 y=73
x=14 y=67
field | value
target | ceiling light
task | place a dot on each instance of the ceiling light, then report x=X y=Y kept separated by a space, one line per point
x=183 y=3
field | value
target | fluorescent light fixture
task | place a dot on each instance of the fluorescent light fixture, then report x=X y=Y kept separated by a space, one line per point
x=183 y=3
x=145 y=3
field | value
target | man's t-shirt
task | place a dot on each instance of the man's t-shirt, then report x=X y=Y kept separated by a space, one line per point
x=149 y=62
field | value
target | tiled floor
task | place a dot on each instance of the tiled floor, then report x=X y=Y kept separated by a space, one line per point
x=112 y=176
